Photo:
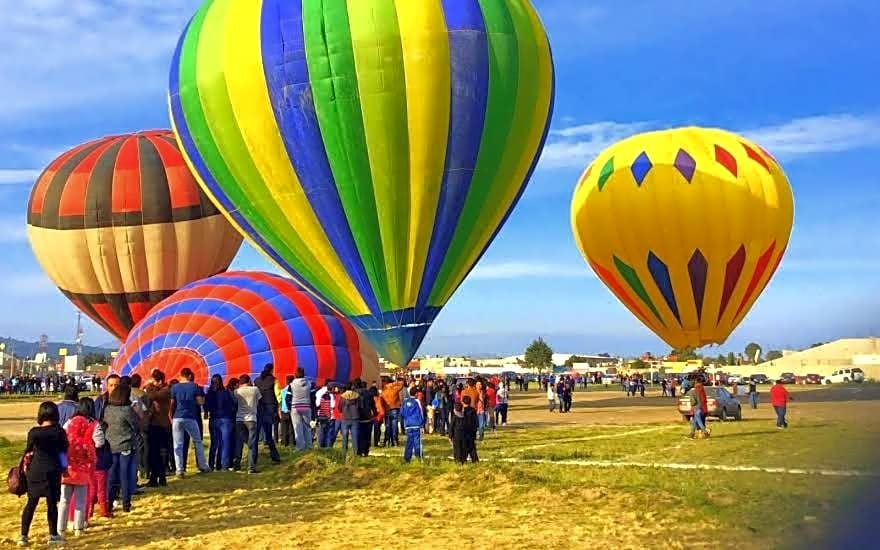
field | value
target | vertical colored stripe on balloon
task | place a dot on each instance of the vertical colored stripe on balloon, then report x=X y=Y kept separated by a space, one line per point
x=660 y=274
x=611 y=282
x=73 y=197
x=330 y=59
x=181 y=187
x=760 y=269
x=240 y=118
x=632 y=279
x=731 y=278
x=500 y=113
x=126 y=189
x=469 y=64
x=286 y=73
x=698 y=269
x=425 y=43
x=378 y=63
x=98 y=211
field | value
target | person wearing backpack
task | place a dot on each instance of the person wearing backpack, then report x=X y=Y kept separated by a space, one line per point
x=84 y=436
x=350 y=425
x=413 y=420
x=367 y=414
x=48 y=443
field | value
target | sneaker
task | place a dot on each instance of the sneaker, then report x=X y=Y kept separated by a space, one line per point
x=55 y=540
x=230 y=469
x=180 y=475
x=77 y=532
x=23 y=541
x=253 y=471
x=205 y=470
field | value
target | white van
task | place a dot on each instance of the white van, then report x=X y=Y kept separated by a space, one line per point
x=845 y=376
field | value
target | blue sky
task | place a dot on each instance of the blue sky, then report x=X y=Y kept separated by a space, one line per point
x=798 y=76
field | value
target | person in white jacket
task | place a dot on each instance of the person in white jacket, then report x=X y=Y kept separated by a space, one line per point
x=551 y=397
x=502 y=397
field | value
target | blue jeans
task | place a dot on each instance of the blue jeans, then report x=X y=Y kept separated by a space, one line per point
x=187 y=426
x=221 y=448
x=326 y=429
x=780 y=417
x=302 y=431
x=753 y=398
x=391 y=420
x=697 y=420
x=349 y=427
x=413 y=444
x=118 y=474
x=267 y=425
x=250 y=435
x=482 y=419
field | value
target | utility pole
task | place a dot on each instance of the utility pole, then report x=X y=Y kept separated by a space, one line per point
x=79 y=336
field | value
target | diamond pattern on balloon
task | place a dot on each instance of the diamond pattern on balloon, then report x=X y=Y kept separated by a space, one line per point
x=725 y=159
x=640 y=168
x=685 y=164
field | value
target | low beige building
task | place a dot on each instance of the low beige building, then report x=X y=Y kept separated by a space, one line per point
x=823 y=360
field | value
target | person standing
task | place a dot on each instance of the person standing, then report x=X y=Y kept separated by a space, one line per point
x=186 y=399
x=502 y=397
x=301 y=410
x=391 y=404
x=247 y=397
x=779 y=398
x=101 y=401
x=350 y=425
x=84 y=436
x=285 y=430
x=48 y=443
x=753 y=393
x=158 y=396
x=413 y=419
x=268 y=409
x=696 y=413
x=122 y=427
x=367 y=414
x=469 y=426
x=68 y=407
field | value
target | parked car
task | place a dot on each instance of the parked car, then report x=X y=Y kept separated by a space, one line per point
x=719 y=402
x=812 y=379
x=787 y=378
x=845 y=376
x=736 y=379
x=760 y=379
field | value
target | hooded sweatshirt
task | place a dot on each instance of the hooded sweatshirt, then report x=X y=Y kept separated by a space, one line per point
x=350 y=406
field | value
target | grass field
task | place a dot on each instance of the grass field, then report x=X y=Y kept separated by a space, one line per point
x=616 y=472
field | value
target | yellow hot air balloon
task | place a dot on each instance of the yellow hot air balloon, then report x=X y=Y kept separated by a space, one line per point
x=686 y=227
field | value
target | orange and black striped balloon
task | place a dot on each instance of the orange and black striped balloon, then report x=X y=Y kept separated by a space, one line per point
x=119 y=224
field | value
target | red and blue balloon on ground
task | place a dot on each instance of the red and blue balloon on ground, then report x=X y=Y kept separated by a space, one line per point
x=236 y=323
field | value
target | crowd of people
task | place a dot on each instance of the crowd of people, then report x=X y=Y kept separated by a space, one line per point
x=86 y=456
x=48 y=384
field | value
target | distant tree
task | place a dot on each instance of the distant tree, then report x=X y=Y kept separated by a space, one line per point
x=608 y=355
x=817 y=344
x=773 y=355
x=731 y=359
x=685 y=354
x=90 y=359
x=639 y=364
x=753 y=352
x=539 y=355
x=575 y=359
x=721 y=359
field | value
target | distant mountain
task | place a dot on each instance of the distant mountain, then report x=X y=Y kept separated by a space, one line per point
x=29 y=349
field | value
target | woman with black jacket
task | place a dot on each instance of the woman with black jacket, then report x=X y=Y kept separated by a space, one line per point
x=48 y=443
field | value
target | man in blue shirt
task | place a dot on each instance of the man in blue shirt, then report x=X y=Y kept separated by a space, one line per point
x=186 y=398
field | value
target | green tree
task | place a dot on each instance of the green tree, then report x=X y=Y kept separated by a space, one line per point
x=721 y=359
x=639 y=364
x=90 y=359
x=731 y=359
x=817 y=344
x=773 y=355
x=539 y=355
x=753 y=352
x=575 y=359
x=685 y=354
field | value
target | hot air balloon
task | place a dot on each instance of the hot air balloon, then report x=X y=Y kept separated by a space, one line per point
x=371 y=149
x=686 y=227
x=119 y=223
x=237 y=322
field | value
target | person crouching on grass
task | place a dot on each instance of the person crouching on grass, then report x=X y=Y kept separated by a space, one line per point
x=413 y=420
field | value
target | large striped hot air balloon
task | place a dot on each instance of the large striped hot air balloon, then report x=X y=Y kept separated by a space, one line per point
x=236 y=323
x=686 y=227
x=371 y=148
x=119 y=224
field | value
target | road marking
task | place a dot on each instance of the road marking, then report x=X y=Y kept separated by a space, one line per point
x=680 y=466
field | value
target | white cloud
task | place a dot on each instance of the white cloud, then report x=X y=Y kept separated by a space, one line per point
x=529 y=269
x=18 y=176
x=818 y=134
x=576 y=146
x=13 y=230
x=59 y=54
x=28 y=284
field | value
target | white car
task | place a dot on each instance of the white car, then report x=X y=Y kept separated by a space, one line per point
x=844 y=376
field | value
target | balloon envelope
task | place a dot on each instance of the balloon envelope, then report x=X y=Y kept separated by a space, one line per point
x=119 y=223
x=686 y=227
x=371 y=149
x=236 y=323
